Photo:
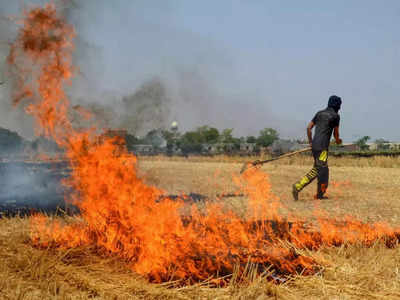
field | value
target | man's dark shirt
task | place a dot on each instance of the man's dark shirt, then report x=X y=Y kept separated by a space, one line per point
x=325 y=120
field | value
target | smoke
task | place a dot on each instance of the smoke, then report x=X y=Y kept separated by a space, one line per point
x=147 y=107
x=126 y=49
x=12 y=117
x=31 y=186
x=16 y=119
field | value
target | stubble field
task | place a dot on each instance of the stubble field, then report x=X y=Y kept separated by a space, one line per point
x=367 y=189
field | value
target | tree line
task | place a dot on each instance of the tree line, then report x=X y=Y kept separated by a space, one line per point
x=197 y=141
x=194 y=141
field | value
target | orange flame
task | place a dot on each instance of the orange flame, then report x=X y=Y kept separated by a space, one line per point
x=124 y=216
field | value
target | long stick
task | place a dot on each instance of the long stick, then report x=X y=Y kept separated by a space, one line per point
x=261 y=162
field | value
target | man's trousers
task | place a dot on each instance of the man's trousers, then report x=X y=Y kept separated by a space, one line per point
x=320 y=170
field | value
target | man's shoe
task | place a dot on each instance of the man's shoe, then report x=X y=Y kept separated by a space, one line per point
x=320 y=197
x=295 y=193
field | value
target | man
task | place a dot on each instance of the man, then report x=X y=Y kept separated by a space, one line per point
x=325 y=121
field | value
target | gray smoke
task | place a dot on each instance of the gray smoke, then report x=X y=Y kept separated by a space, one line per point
x=31 y=186
x=10 y=117
x=124 y=47
x=147 y=107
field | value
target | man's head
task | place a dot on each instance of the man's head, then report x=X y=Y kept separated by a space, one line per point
x=335 y=102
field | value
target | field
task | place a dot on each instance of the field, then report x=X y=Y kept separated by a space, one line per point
x=366 y=188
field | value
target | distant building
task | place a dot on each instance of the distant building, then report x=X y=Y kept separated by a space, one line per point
x=174 y=150
x=218 y=148
x=247 y=148
x=143 y=149
x=383 y=146
x=350 y=148
x=394 y=146
x=227 y=148
x=174 y=126
x=209 y=148
x=281 y=146
x=156 y=139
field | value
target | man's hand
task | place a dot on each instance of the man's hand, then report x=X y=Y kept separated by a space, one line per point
x=336 y=135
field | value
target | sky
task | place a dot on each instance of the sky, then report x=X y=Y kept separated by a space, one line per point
x=245 y=65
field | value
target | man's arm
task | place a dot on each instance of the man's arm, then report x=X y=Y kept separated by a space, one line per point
x=336 y=135
x=309 y=132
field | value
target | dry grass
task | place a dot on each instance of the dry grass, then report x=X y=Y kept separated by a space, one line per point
x=300 y=160
x=354 y=272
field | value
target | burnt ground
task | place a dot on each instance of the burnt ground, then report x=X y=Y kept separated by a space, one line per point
x=28 y=187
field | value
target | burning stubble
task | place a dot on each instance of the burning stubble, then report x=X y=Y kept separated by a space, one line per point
x=124 y=216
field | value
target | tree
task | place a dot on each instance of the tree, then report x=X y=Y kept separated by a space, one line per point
x=362 y=142
x=208 y=135
x=382 y=144
x=226 y=136
x=131 y=141
x=251 y=139
x=168 y=135
x=267 y=136
x=171 y=136
x=155 y=138
x=190 y=142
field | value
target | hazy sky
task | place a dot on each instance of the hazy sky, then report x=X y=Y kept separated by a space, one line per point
x=249 y=64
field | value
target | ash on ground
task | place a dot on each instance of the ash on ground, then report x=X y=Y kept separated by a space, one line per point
x=27 y=187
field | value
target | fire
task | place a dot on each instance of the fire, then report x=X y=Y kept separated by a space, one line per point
x=125 y=217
